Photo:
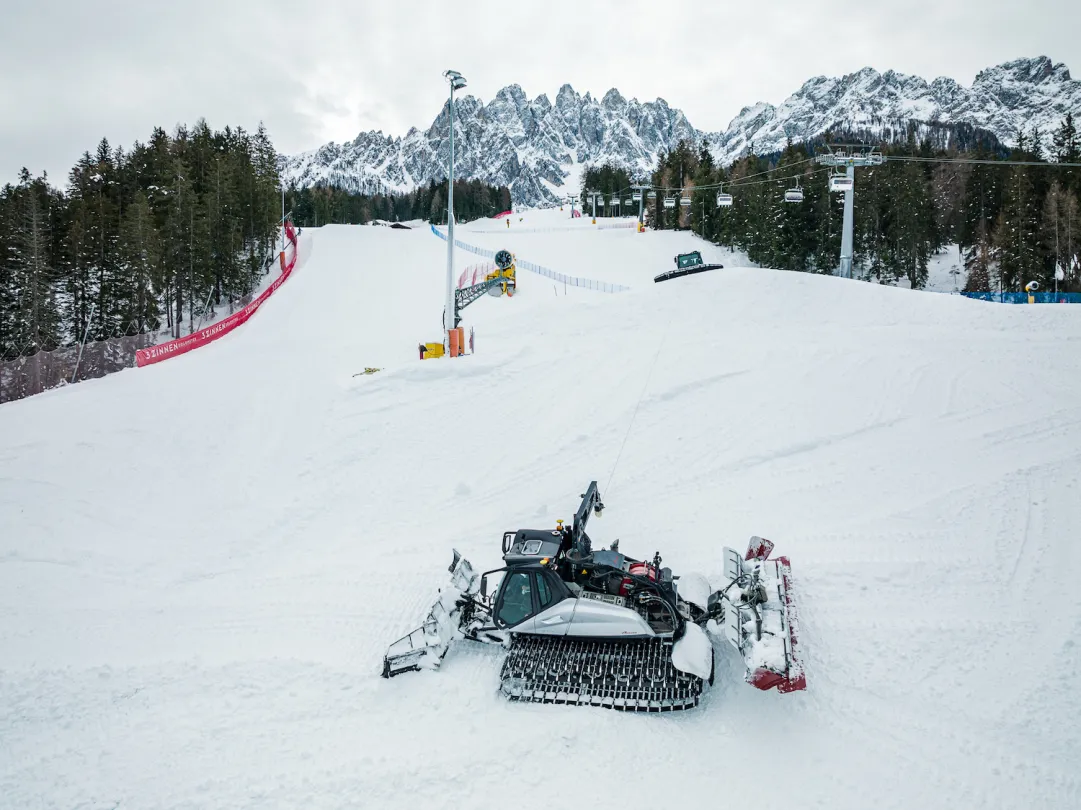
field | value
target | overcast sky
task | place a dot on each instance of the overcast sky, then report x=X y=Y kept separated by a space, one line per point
x=72 y=71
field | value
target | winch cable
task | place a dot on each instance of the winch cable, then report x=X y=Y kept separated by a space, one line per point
x=641 y=396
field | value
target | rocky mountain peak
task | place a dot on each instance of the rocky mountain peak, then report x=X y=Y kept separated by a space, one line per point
x=535 y=146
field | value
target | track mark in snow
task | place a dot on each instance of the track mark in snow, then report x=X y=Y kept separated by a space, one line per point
x=817 y=444
x=1025 y=532
x=695 y=385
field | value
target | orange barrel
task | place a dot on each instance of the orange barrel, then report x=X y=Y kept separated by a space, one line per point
x=461 y=339
x=452 y=336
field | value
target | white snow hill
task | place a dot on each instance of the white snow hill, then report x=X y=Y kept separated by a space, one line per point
x=202 y=562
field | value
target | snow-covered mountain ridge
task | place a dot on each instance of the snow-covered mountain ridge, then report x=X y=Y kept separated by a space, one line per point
x=537 y=147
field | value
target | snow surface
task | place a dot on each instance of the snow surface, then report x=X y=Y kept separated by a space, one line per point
x=203 y=561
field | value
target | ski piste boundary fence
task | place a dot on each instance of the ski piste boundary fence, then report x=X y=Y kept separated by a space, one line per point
x=570 y=281
x=605 y=226
x=201 y=337
x=27 y=375
x=1022 y=297
x=35 y=373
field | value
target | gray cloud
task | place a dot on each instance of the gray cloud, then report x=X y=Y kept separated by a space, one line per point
x=72 y=72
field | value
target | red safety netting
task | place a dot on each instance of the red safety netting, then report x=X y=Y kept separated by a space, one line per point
x=476 y=273
x=163 y=351
x=504 y=214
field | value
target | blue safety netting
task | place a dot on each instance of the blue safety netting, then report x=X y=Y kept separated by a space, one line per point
x=1022 y=297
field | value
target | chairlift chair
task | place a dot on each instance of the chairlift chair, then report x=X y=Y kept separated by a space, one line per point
x=652 y=195
x=685 y=201
x=637 y=196
x=724 y=199
x=794 y=195
x=669 y=202
x=600 y=202
x=628 y=203
x=841 y=182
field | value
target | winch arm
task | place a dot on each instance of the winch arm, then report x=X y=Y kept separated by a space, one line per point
x=591 y=504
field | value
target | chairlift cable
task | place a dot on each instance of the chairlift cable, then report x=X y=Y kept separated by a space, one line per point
x=1045 y=164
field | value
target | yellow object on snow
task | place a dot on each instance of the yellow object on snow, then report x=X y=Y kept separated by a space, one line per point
x=429 y=350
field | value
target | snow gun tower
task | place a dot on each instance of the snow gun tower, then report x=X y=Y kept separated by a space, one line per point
x=502 y=280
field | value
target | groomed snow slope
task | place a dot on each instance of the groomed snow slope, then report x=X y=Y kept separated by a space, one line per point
x=202 y=562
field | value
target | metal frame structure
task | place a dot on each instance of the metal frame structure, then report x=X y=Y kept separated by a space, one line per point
x=467 y=295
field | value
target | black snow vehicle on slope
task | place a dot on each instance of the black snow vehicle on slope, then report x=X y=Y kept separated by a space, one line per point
x=595 y=627
x=687 y=264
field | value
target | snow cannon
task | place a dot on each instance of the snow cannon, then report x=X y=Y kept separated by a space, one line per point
x=589 y=626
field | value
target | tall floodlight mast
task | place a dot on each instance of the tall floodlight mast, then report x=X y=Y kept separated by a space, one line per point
x=457 y=82
x=849 y=157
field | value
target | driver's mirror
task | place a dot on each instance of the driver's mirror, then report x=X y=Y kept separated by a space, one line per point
x=484 y=585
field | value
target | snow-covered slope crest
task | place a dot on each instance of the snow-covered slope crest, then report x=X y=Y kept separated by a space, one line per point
x=528 y=145
x=1020 y=94
x=537 y=147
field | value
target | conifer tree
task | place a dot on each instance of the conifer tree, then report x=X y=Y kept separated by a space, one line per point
x=34 y=318
x=140 y=261
x=1017 y=231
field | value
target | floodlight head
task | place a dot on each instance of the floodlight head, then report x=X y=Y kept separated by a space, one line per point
x=456 y=79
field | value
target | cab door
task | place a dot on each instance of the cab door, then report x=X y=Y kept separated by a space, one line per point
x=516 y=601
x=532 y=601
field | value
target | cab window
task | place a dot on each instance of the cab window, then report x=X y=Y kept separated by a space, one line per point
x=516 y=604
x=544 y=592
